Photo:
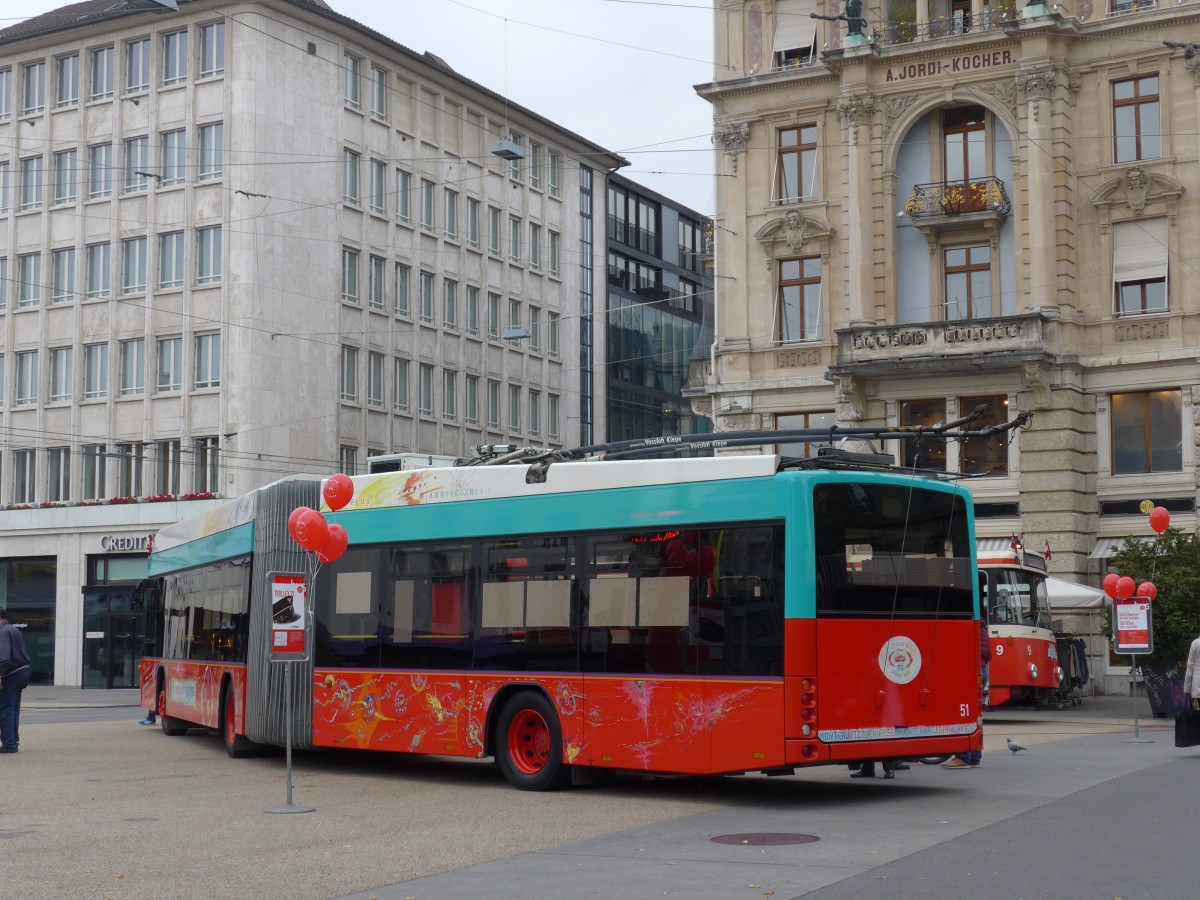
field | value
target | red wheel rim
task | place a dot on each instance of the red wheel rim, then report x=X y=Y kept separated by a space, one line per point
x=528 y=742
x=162 y=702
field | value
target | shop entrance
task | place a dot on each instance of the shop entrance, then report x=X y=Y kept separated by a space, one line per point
x=112 y=638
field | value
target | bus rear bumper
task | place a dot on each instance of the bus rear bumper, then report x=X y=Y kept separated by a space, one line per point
x=818 y=753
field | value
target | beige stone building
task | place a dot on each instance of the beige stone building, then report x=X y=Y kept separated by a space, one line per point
x=935 y=207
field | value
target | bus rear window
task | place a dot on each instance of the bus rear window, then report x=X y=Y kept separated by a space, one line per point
x=884 y=550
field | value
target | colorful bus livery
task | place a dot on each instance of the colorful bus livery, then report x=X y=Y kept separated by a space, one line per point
x=696 y=616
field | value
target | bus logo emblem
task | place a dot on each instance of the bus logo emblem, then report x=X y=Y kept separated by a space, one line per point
x=900 y=660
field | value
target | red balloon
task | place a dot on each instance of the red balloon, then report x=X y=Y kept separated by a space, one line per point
x=338 y=491
x=311 y=530
x=1110 y=584
x=335 y=544
x=1160 y=519
x=1148 y=590
x=1125 y=587
x=294 y=518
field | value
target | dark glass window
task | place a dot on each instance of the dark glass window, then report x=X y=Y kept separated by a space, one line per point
x=1147 y=432
x=346 y=610
x=427 y=607
x=206 y=614
x=526 y=618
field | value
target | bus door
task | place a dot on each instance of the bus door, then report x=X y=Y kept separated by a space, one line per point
x=897 y=637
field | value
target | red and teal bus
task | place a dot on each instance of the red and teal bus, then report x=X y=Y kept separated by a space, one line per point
x=697 y=616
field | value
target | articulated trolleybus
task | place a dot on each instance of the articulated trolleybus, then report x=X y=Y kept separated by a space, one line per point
x=1024 y=670
x=697 y=616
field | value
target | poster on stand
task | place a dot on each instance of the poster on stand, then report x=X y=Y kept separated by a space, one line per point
x=289 y=615
x=1132 y=628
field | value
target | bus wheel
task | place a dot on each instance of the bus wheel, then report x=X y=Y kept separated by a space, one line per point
x=172 y=727
x=529 y=744
x=236 y=745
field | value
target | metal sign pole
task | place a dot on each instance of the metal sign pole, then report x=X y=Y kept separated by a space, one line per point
x=289 y=807
x=1137 y=733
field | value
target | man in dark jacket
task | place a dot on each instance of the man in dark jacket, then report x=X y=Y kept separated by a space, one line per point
x=14 y=676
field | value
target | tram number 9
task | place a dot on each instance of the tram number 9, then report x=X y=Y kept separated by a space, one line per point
x=964 y=710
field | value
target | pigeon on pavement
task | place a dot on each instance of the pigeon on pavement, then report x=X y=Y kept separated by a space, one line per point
x=1014 y=746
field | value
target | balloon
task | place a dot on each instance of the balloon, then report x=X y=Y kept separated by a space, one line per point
x=335 y=544
x=311 y=530
x=1110 y=584
x=338 y=491
x=1125 y=587
x=1148 y=590
x=1159 y=519
x=294 y=518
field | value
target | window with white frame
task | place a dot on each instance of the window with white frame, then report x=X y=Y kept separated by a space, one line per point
x=95 y=460
x=24 y=476
x=27 y=378
x=350 y=177
x=378 y=201
x=379 y=93
x=796 y=163
x=1147 y=432
x=552 y=334
x=170 y=365
x=493 y=231
x=535 y=412
x=449 y=303
x=376 y=282
x=403 y=277
x=206 y=463
x=450 y=213
x=403 y=191
x=349 y=275
x=166 y=466
x=5 y=186
x=137 y=163
x=535 y=328
x=33 y=180
x=1140 y=266
x=6 y=86
x=348 y=457
x=374 y=379
x=535 y=164
x=514 y=316
x=62 y=275
x=514 y=239
x=426 y=205
x=514 y=408
x=425 y=390
x=351 y=81
x=208 y=360
x=493 y=315
x=552 y=253
x=493 y=404
x=170 y=260
x=133 y=368
x=552 y=415
x=349 y=386
x=212 y=49
x=799 y=309
x=449 y=395
x=66 y=77
x=62 y=374
x=137 y=66
x=208 y=255
x=472 y=222
x=102 y=73
x=174 y=158
x=514 y=164
x=66 y=177
x=174 y=57
x=535 y=246
x=58 y=470
x=130 y=463
x=400 y=385
x=34 y=83
x=133 y=265
x=554 y=164
x=29 y=280
x=471 y=401
x=472 y=302
x=99 y=270
x=3 y=293
x=95 y=371
x=100 y=166
x=212 y=152
x=426 y=297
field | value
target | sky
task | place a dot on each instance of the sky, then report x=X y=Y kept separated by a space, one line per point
x=617 y=72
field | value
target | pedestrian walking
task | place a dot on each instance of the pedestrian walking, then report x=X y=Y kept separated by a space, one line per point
x=973 y=759
x=1191 y=676
x=14 y=676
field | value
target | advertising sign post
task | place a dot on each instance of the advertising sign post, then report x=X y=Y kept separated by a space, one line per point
x=1133 y=633
x=289 y=644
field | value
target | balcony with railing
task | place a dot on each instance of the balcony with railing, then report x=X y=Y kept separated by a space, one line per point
x=900 y=30
x=940 y=205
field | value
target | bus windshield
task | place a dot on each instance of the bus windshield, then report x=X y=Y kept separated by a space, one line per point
x=1017 y=597
x=889 y=550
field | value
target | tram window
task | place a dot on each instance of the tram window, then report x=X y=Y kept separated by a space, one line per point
x=345 y=610
x=427 y=607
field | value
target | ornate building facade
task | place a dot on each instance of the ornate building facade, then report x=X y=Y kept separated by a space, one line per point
x=968 y=206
